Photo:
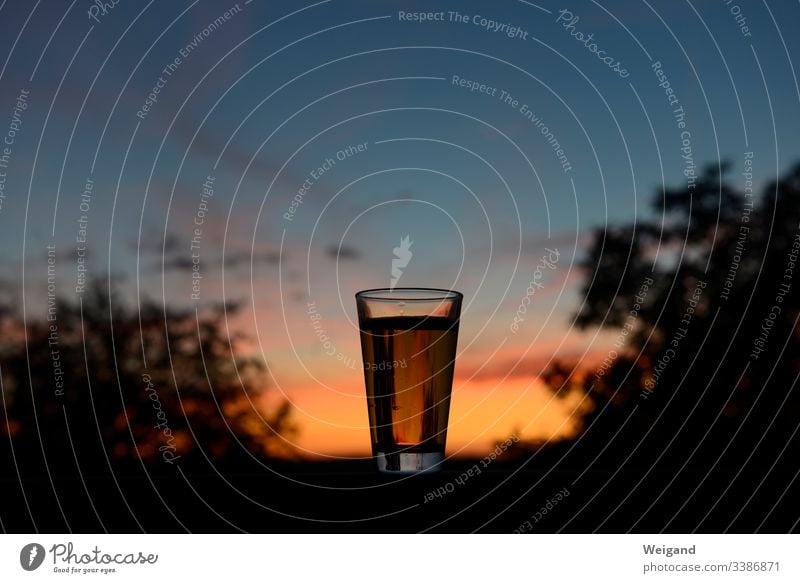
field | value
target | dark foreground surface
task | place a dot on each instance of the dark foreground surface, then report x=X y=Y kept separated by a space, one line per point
x=352 y=497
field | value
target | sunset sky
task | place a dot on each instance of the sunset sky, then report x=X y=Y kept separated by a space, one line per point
x=296 y=143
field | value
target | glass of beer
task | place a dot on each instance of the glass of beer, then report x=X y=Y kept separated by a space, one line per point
x=408 y=344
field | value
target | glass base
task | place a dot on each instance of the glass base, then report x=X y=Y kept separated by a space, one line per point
x=409 y=463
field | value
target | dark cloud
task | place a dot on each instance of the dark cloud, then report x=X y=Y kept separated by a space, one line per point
x=178 y=263
x=342 y=253
x=155 y=244
x=238 y=258
x=183 y=262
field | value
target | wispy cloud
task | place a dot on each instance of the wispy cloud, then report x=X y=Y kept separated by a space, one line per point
x=342 y=252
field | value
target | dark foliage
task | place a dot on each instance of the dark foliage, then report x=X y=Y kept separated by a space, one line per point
x=693 y=416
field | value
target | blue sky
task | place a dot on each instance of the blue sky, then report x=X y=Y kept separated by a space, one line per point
x=278 y=88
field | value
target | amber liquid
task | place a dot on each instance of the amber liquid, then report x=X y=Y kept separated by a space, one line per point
x=408 y=368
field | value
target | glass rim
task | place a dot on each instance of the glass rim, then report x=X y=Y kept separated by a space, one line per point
x=409 y=294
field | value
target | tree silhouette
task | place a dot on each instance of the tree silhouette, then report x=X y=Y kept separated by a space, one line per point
x=699 y=391
x=148 y=385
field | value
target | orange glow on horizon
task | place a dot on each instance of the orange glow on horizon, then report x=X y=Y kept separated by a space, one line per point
x=496 y=392
x=483 y=412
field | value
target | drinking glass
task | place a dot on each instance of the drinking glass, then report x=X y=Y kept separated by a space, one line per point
x=408 y=345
